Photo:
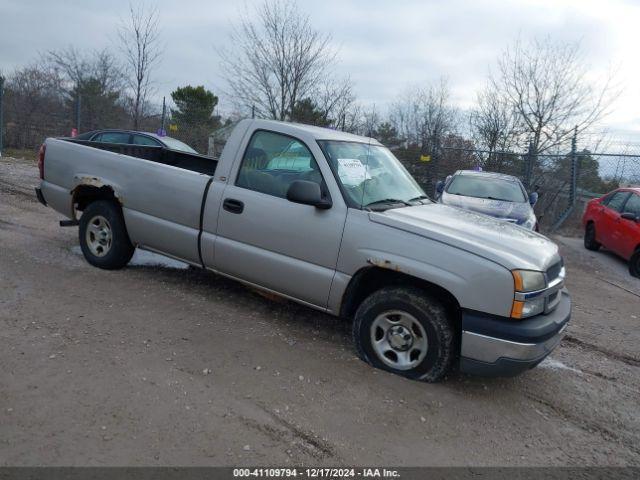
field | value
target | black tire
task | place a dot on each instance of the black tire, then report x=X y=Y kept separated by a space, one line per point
x=590 y=237
x=441 y=342
x=634 y=264
x=104 y=215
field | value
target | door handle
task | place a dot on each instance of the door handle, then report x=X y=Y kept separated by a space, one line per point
x=232 y=205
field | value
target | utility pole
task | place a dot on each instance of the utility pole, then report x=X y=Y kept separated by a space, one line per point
x=78 y=110
x=164 y=113
x=1 y=122
x=528 y=166
x=573 y=186
x=253 y=111
x=574 y=168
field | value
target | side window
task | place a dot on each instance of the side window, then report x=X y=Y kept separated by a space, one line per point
x=273 y=161
x=617 y=200
x=112 y=137
x=144 y=140
x=633 y=205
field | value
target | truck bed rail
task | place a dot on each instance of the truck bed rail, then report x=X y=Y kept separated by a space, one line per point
x=188 y=161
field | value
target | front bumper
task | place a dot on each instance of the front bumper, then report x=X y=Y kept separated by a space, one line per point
x=496 y=346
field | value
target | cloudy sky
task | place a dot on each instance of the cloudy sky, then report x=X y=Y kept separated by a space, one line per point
x=384 y=45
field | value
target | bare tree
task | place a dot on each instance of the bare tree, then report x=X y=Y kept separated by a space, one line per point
x=494 y=125
x=370 y=121
x=96 y=78
x=360 y=119
x=423 y=116
x=548 y=86
x=337 y=101
x=34 y=106
x=139 y=40
x=76 y=67
x=278 y=60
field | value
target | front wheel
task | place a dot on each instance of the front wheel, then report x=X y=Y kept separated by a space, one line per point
x=103 y=236
x=634 y=264
x=590 y=242
x=405 y=331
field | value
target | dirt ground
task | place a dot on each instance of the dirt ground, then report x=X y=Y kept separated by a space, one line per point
x=158 y=364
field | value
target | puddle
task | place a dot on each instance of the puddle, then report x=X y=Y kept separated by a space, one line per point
x=553 y=364
x=146 y=259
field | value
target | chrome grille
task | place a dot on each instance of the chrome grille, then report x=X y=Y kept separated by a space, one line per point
x=555 y=281
x=554 y=271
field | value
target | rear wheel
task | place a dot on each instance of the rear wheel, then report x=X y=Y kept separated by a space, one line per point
x=590 y=242
x=634 y=264
x=405 y=331
x=103 y=236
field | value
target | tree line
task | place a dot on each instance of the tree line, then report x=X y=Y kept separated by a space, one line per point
x=279 y=66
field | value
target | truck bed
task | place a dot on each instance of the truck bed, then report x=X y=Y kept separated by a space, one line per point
x=161 y=191
x=188 y=161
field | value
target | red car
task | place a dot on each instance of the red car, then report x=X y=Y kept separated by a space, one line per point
x=613 y=221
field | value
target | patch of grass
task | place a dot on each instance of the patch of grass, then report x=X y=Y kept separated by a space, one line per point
x=21 y=154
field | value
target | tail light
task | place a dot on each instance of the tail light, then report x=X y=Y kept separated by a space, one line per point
x=41 y=152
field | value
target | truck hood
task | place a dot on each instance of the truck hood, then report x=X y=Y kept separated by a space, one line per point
x=503 y=209
x=506 y=244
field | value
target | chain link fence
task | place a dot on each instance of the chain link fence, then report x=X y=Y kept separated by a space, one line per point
x=26 y=122
x=565 y=182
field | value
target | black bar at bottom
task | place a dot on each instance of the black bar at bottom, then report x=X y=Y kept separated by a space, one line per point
x=280 y=472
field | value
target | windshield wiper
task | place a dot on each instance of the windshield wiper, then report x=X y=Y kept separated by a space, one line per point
x=500 y=199
x=419 y=197
x=387 y=200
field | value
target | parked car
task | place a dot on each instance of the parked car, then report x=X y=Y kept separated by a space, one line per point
x=495 y=194
x=425 y=284
x=613 y=221
x=130 y=137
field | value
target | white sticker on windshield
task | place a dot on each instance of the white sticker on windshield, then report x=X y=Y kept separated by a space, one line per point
x=351 y=171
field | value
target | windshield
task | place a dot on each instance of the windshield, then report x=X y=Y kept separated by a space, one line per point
x=486 y=187
x=370 y=174
x=177 y=145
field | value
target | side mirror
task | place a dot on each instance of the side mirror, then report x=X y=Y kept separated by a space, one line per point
x=533 y=198
x=307 y=193
x=440 y=186
x=630 y=216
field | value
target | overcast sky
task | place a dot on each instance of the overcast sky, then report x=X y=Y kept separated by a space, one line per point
x=383 y=45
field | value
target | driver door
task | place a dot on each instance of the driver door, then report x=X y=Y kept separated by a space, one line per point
x=267 y=240
x=629 y=229
x=610 y=222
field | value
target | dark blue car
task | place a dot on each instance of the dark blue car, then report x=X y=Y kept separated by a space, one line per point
x=130 y=137
x=498 y=195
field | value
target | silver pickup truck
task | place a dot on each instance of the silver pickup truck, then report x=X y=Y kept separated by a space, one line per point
x=333 y=221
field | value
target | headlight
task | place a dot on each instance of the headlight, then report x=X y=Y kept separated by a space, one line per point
x=530 y=222
x=527 y=308
x=525 y=281
x=528 y=280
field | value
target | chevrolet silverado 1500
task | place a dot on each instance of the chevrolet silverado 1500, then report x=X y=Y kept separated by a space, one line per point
x=330 y=220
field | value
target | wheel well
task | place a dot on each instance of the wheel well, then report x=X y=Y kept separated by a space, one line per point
x=83 y=195
x=370 y=279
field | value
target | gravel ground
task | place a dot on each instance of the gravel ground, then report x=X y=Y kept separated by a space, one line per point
x=158 y=364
